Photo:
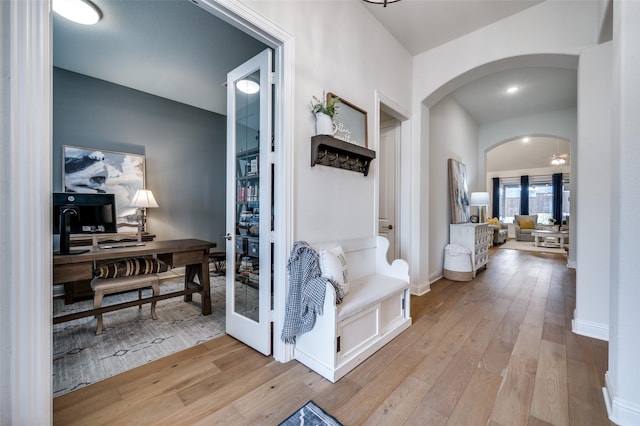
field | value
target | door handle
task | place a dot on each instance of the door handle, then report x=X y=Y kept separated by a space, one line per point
x=228 y=237
x=390 y=227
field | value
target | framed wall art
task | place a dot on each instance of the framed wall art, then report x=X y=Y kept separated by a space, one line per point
x=459 y=192
x=351 y=122
x=90 y=170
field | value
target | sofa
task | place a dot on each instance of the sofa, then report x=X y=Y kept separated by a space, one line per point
x=524 y=225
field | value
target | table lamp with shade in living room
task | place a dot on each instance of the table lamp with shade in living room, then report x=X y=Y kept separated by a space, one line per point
x=142 y=200
x=480 y=200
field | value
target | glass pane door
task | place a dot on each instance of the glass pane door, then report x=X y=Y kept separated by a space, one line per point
x=249 y=182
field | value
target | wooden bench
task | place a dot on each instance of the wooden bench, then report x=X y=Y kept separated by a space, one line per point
x=375 y=310
x=104 y=286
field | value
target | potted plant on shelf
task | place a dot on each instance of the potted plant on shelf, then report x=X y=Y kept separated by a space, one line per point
x=324 y=112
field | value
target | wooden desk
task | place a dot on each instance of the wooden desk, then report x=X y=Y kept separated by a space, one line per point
x=192 y=254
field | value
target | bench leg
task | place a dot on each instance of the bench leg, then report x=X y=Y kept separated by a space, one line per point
x=156 y=292
x=97 y=303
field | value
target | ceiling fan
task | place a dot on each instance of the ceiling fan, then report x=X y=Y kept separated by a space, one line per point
x=559 y=159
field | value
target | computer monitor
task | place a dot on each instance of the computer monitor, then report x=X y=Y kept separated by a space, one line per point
x=78 y=213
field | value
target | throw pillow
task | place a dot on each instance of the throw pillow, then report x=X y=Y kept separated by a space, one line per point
x=333 y=265
x=493 y=221
x=130 y=266
x=526 y=224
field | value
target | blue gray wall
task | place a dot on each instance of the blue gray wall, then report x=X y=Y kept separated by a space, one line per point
x=185 y=149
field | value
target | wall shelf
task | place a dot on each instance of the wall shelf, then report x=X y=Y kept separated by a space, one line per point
x=329 y=151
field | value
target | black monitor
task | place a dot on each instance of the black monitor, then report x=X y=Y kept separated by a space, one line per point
x=78 y=213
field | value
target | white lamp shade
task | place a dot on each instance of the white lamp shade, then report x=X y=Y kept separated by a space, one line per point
x=143 y=198
x=479 y=199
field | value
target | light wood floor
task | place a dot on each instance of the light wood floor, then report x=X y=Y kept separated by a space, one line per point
x=498 y=350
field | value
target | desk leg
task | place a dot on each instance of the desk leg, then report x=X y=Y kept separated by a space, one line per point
x=200 y=270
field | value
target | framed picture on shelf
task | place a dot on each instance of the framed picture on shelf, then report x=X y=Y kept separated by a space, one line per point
x=90 y=170
x=351 y=122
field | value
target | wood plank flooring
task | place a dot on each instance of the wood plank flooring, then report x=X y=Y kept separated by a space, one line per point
x=497 y=350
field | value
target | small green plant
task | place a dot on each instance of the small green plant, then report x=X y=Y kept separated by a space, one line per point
x=321 y=105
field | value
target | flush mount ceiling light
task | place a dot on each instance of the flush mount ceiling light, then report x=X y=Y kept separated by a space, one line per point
x=384 y=3
x=79 y=11
x=513 y=89
x=248 y=86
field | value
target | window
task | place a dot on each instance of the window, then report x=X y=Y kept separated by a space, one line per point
x=540 y=198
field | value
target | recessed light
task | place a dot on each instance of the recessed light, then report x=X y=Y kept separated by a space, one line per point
x=525 y=140
x=79 y=11
x=248 y=86
x=513 y=89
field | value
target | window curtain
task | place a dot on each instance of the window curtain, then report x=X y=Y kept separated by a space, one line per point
x=524 y=194
x=495 y=203
x=556 y=182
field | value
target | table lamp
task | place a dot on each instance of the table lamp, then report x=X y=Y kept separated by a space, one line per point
x=480 y=199
x=142 y=200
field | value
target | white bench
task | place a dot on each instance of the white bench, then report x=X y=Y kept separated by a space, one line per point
x=375 y=310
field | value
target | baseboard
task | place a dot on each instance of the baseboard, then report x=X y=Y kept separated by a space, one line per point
x=420 y=289
x=590 y=329
x=571 y=264
x=620 y=412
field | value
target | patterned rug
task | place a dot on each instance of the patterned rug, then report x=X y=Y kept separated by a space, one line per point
x=528 y=246
x=130 y=337
x=312 y=415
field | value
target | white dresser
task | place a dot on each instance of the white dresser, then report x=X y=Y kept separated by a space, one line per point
x=475 y=237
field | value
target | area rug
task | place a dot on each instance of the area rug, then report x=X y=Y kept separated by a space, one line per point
x=130 y=337
x=528 y=246
x=310 y=415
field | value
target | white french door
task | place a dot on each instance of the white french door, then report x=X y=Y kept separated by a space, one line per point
x=249 y=203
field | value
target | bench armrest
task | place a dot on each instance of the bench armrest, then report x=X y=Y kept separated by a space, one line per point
x=398 y=269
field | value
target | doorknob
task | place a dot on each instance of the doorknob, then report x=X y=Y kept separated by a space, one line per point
x=390 y=227
x=228 y=237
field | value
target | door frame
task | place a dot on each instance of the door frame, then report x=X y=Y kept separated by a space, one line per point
x=403 y=178
x=248 y=20
x=27 y=124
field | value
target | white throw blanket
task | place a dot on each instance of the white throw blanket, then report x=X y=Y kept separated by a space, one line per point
x=306 y=292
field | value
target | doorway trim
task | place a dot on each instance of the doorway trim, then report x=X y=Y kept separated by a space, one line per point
x=403 y=202
x=282 y=43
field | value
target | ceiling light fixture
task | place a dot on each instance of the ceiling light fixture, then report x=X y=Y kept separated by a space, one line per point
x=525 y=140
x=384 y=3
x=248 y=86
x=79 y=11
x=513 y=89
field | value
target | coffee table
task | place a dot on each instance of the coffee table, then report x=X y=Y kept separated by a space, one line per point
x=549 y=238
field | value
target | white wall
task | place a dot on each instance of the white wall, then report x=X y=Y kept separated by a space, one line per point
x=341 y=48
x=622 y=391
x=569 y=27
x=593 y=202
x=453 y=134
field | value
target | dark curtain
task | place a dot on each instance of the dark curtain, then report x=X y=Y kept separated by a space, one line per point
x=495 y=209
x=524 y=194
x=556 y=182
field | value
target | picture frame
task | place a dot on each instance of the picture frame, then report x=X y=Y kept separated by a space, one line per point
x=90 y=170
x=351 y=122
x=459 y=192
